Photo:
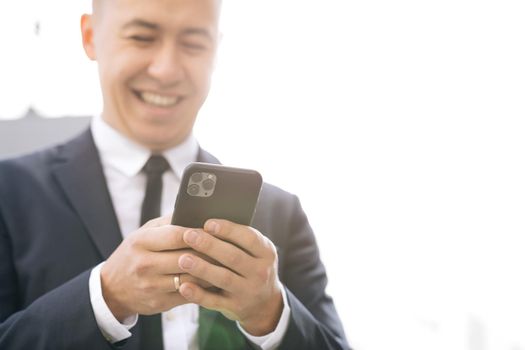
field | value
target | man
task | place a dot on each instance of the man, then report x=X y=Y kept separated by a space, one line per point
x=67 y=278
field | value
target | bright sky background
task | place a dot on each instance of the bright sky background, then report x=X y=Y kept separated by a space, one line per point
x=400 y=124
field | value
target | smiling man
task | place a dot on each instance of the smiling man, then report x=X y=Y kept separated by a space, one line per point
x=85 y=260
x=155 y=61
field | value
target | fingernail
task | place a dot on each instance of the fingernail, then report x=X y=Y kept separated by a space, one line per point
x=186 y=262
x=213 y=227
x=186 y=292
x=191 y=237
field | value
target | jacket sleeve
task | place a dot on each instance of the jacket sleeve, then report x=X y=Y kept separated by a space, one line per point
x=314 y=322
x=60 y=319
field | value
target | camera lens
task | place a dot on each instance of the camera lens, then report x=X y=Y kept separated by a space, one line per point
x=208 y=184
x=197 y=177
x=193 y=189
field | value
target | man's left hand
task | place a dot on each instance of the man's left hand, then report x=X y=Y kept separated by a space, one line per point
x=249 y=290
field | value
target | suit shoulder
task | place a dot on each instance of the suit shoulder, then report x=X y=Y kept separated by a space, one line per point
x=32 y=167
x=277 y=201
x=275 y=193
x=32 y=161
x=39 y=160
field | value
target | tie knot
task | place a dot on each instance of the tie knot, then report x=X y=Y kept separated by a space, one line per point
x=156 y=164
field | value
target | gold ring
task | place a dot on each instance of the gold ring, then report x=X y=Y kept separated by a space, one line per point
x=176 y=281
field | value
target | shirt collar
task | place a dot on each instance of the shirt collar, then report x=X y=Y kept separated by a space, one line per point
x=128 y=157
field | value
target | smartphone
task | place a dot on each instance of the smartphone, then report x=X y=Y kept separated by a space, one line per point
x=216 y=191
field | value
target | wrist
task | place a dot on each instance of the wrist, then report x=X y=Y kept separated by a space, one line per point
x=265 y=322
x=119 y=311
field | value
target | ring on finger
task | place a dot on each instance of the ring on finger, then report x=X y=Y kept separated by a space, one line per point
x=176 y=282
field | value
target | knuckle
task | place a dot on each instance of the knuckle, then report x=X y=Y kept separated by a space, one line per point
x=253 y=242
x=235 y=259
x=199 y=266
x=204 y=242
x=272 y=251
x=153 y=303
x=174 y=238
x=142 y=267
x=146 y=286
x=152 y=222
x=263 y=273
x=224 y=225
x=228 y=229
x=134 y=241
x=256 y=233
x=225 y=231
x=259 y=240
x=269 y=247
x=139 y=271
x=227 y=279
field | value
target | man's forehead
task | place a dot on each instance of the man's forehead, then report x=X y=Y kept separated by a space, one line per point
x=98 y=5
x=162 y=14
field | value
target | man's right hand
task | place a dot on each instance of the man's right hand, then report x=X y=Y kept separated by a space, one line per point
x=139 y=276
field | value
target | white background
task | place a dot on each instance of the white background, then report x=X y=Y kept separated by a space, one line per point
x=400 y=124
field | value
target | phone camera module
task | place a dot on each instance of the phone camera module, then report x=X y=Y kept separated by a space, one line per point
x=201 y=184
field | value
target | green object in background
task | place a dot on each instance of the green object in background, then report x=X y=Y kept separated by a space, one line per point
x=218 y=332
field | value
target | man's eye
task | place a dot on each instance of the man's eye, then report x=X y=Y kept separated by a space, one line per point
x=141 y=38
x=194 y=46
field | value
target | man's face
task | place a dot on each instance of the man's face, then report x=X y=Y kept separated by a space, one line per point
x=155 y=60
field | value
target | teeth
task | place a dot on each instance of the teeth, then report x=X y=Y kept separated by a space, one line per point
x=158 y=100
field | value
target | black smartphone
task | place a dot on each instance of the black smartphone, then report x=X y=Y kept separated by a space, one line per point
x=216 y=191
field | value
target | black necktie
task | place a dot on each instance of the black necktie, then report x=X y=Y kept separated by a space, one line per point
x=151 y=326
x=154 y=168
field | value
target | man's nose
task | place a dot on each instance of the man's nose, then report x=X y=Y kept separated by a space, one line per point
x=166 y=65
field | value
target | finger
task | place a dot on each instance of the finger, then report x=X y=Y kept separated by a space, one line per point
x=166 y=283
x=245 y=237
x=208 y=299
x=219 y=276
x=162 y=238
x=161 y=302
x=167 y=262
x=223 y=252
x=160 y=221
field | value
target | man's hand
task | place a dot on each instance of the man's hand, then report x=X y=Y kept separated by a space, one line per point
x=138 y=276
x=248 y=281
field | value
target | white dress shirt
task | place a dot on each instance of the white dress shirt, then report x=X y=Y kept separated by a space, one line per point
x=122 y=160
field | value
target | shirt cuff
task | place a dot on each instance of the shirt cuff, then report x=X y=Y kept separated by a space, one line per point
x=272 y=340
x=111 y=328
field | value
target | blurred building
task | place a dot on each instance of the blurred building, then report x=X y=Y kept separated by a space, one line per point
x=33 y=132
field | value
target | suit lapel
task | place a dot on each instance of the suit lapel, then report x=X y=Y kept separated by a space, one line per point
x=79 y=172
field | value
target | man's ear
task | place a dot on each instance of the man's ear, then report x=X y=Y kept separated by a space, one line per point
x=86 y=27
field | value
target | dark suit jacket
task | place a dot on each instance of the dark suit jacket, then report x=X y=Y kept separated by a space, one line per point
x=57 y=222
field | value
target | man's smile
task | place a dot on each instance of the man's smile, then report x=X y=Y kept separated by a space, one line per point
x=157 y=100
